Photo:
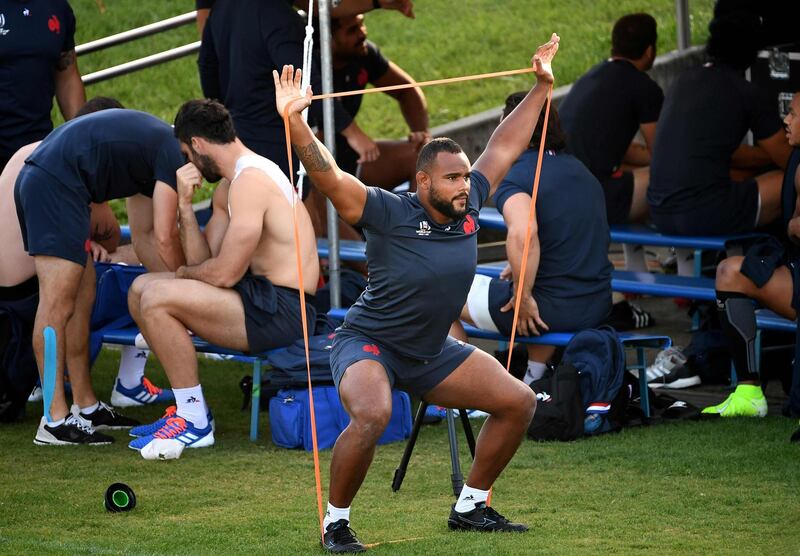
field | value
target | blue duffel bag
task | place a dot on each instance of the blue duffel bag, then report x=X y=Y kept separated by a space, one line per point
x=290 y=419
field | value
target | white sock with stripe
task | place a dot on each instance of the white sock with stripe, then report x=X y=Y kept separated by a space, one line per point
x=334 y=514
x=469 y=497
x=131 y=366
x=535 y=371
x=192 y=405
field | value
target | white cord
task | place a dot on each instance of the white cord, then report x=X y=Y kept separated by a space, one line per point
x=308 y=49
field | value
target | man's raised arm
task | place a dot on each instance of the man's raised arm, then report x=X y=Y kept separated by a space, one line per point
x=346 y=192
x=513 y=135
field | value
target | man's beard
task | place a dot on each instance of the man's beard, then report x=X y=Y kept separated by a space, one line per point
x=447 y=207
x=207 y=167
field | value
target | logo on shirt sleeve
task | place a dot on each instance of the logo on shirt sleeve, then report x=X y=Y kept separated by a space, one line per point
x=3 y=31
x=424 y=229
x=373 y=349
x=54 y=24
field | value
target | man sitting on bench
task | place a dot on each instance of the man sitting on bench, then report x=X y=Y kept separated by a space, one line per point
x=772 y=280
x=567 y=282
x=239 y=288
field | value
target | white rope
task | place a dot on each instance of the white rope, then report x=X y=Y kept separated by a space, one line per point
x=308 y=50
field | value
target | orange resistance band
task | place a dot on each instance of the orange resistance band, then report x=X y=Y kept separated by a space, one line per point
x=301 y=291
x=423 y=83
x=527 y=244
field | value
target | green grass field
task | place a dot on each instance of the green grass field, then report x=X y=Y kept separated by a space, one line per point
x=691 y=488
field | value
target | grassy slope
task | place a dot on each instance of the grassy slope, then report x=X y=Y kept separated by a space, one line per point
x=720 y=488
x=448 y=38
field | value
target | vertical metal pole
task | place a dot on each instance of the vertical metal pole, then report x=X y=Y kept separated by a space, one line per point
x=330 y=143
x=682 y=24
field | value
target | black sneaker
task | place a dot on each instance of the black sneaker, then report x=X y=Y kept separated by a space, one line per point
x=72 y=431
x=340 y=538
x=105 y=417
x=482 y=518
x=629 y=316
x=678 y=377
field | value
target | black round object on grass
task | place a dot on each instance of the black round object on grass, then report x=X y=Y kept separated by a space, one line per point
x=120 y=498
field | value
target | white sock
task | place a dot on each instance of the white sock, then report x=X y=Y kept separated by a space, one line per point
x=91 y=409
x=334 y=514
x=131 y=366
x=57 y=423
x=469 y=497
x=685 y=261
x=535 y=372
x=634 y=257
x=192 y=405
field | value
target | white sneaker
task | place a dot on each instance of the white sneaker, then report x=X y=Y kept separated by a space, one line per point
x=36 y=394
x=667 y=361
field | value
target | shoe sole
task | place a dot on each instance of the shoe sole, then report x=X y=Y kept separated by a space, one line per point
x=112 y=428
x=205 y=442
x=458 y=526
x=682 y=383
x=56 y=442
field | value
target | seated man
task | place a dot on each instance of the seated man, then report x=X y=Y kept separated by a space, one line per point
x=357 y=62
x=567 y=282
x=422 y=253
x=106 y=155
x=706 y=116
x=774 y=282
x=606 y=107
x=239 y=288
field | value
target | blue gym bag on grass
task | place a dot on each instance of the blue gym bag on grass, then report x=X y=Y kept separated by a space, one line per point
x=290 y=420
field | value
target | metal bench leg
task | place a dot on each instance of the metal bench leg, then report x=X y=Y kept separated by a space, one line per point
x=758 y=352
x=641 y=362
x=255 y=400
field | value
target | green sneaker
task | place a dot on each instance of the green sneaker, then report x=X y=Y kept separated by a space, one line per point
x=746 y=401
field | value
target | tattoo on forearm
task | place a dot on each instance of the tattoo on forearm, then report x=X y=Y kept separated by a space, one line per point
x=312 y=158
x=65 y=60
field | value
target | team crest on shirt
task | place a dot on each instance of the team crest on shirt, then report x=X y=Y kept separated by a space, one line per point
x=424 y=229
x=469 y=224
x=54 y=24
x=3 y=30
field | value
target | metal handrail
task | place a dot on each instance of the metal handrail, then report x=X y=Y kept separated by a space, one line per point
x=137 y=33
x=141 y=63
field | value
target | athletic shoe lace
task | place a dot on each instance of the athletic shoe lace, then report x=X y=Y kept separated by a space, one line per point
x=343 y=534
x=173 y=427
x=170 y=412
x=107 y=408
x=151 y=388
x=491 y=513
x=80 y=423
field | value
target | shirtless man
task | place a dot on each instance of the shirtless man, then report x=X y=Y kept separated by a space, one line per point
x=239 y=287
x=422 y=252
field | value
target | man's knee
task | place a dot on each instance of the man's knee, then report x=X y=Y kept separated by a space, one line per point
x=369 y=417
x=152 y=300
x=729 y=275
x=519 y=402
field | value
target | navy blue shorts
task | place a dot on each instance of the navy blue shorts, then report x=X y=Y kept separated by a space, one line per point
x=618 y=191
x=54 y=217
x=415 y=376
x=728 y=209
x=272 y=313
x=488 y=295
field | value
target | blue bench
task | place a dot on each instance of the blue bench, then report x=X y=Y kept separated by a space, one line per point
x=127 y=336
x=349 y=250
x=640 y=234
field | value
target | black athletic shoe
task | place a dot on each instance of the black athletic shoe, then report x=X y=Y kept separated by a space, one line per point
x=482 y=518
x=105 y=417
x=340 y=538
x=629 y=316
x=72 y=431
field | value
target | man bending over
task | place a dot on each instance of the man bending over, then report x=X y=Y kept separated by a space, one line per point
x=422 y=254
x=239 y=287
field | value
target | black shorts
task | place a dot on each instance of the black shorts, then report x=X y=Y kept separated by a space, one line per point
x=568 y=314
x=416 y=376
x=18 y=306
x=272 y=313
x=730 y=209
x=54 y=216
x=618 y=191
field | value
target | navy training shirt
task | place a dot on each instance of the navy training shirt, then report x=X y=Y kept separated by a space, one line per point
x=706 y=115
x=419 y=271
x=571 y=219
x=112 y=153
x=33 y=35
x=603 y=111
x=355 y=75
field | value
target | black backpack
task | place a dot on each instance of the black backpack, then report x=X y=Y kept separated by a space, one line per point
x=559 y=409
